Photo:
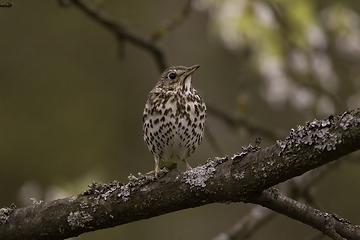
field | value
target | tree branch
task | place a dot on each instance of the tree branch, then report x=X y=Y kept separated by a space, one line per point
x=236 y=122
x=257 y=217
x=330 y=224
x=235 y=179
x=296 y=188
x=123 y=32
x=175 y=21
x=6 y=5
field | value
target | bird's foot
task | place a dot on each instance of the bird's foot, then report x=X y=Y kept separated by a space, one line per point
x=157 y=171
x=188 y=167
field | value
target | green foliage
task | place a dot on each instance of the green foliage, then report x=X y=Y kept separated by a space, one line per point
x=294 y=46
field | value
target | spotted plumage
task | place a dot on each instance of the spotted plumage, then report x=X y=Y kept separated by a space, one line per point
x=174 y=118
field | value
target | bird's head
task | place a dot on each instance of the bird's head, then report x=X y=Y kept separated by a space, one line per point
x=177 y=78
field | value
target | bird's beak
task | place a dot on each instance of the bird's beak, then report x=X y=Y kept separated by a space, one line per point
x=190 y=70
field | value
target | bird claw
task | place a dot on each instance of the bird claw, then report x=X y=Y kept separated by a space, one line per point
x=188 y=167
x=157 y=171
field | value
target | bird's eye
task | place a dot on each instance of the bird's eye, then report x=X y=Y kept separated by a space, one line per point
x=172 y=75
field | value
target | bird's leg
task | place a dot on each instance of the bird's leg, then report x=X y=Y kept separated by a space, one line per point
x=188 y=167
x=157 y=169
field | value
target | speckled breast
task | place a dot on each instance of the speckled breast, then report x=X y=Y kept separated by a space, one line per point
x=174 y=124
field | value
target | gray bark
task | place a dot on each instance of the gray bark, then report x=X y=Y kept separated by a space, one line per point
x=242 y=177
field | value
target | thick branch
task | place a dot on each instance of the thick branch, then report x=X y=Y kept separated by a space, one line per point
x=221 y=180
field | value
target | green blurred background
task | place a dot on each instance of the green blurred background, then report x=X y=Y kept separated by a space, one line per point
x=71 y=105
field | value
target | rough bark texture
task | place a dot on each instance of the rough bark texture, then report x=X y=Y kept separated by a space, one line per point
x=226 y=179
x=330 y=224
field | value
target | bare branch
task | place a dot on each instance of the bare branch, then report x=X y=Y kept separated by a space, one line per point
x=259 y=215
x=330 y=224
x=317 y=236
x=6 y=5
x=125 y=33
x=175 y=21
x=122 y=31
x=239 y=178
x=236 y=122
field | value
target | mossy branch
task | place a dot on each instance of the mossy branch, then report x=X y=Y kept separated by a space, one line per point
x=246 y=177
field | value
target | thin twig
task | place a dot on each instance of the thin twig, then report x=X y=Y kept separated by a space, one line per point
x=174 y=22
x=122 y=31
x=6 y=5
x=317 y=236
x=257 y=217
x=284 y=30
x=125 y=33
x=236 y=122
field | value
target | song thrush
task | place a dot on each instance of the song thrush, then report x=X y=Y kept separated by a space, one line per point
x=174 y=118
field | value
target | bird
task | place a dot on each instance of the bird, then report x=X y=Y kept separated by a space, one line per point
x=173 y=119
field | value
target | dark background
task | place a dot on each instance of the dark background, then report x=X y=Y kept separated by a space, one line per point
x=71 y=106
